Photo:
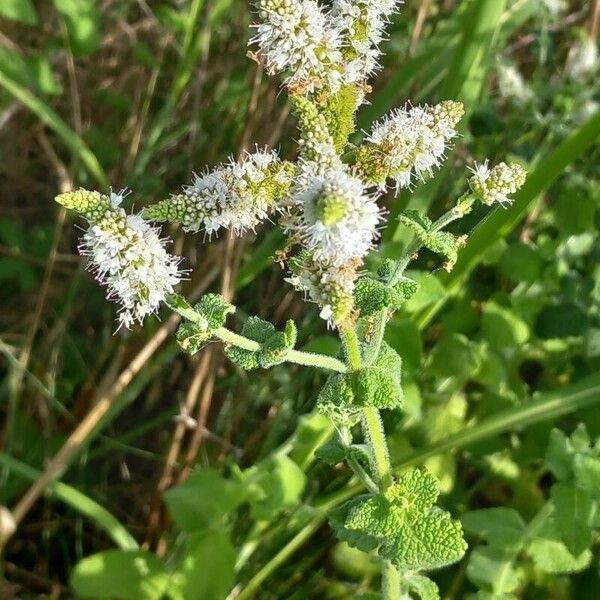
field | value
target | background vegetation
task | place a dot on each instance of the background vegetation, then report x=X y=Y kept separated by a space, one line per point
x=496 y=354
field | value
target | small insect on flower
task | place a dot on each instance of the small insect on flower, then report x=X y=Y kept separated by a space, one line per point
x=496 y=184
x=332 y=215
x=126 y=254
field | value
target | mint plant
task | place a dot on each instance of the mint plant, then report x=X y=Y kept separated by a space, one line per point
x=328 y=203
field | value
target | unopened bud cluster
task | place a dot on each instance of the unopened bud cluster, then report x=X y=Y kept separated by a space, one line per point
x=236 y=196
x=125 y=253
x=495 y=185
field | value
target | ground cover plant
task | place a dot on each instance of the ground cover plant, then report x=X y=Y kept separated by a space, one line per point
x=375 y=368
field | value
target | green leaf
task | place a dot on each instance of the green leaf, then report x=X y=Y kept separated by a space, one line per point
x=19 y=10
x=207 y=316
x=455 y=356
x=422 y=586
x=574 y=512
x=404 y=337
x=119 y=575
x=502 y=328
x=429 y=292
x=553 y=557
x=274 y=485
x=499 y=527
x=313 y=429
x=206 y=569
x=412 y=533
x=82 y=19
x=356 y=538
x=376 y=385
x=372 y=295
x=380 y=385
x=491 y=569
x=275 y=345
x=521 y=262
x=214 y=308
x=440 y=242
x=203 y=500
x=333 y=451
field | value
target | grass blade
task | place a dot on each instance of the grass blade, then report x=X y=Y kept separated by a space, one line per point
x=77 y=146
x=79 y=502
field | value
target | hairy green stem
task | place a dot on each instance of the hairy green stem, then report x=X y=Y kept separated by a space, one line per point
x=375 y=437
x=308 y=359
x=352 y=348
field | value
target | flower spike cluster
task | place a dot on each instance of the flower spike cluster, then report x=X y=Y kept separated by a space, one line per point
x=496 y=184
x=336 y=220
x=293 y=37
x=236 y=196
x=362 y=24
x=409 y=143
x=126 y=254
x=317 y=49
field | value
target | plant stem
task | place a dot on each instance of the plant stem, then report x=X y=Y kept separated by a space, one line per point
x=375 y=437
x=309 y=359
x=390 y=584
x=352 y=347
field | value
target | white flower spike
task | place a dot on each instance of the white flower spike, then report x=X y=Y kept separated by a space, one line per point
x=126 y=254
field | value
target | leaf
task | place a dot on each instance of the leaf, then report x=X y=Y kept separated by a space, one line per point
x=422 y=586
x=380 y=385
x=274 y=485
x=376 y=385
x=312 y=430
x=429 y=292
x=274 y=345
x=440 y=242
x=499 y=527
x=204 y=499
x=206 y=569
x=120 y=575
x=360 y=539
x=520 y=262
x=405 y=338
x=574 y=512
x=412 y=533
x=491 y=569
x=553 y=556
x=455 y=356
x=502 y=328
x=82 y=18
x=19 y=10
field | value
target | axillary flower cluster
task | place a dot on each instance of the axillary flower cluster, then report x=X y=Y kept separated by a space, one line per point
x=326 y=201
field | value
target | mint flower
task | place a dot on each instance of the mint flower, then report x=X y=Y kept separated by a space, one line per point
x=409 y=143
x=334 y=218
x=362 y=24
x=293 y=37
x=496 y=184
x=236 y=196
x=125 y=253
x=330 y=287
